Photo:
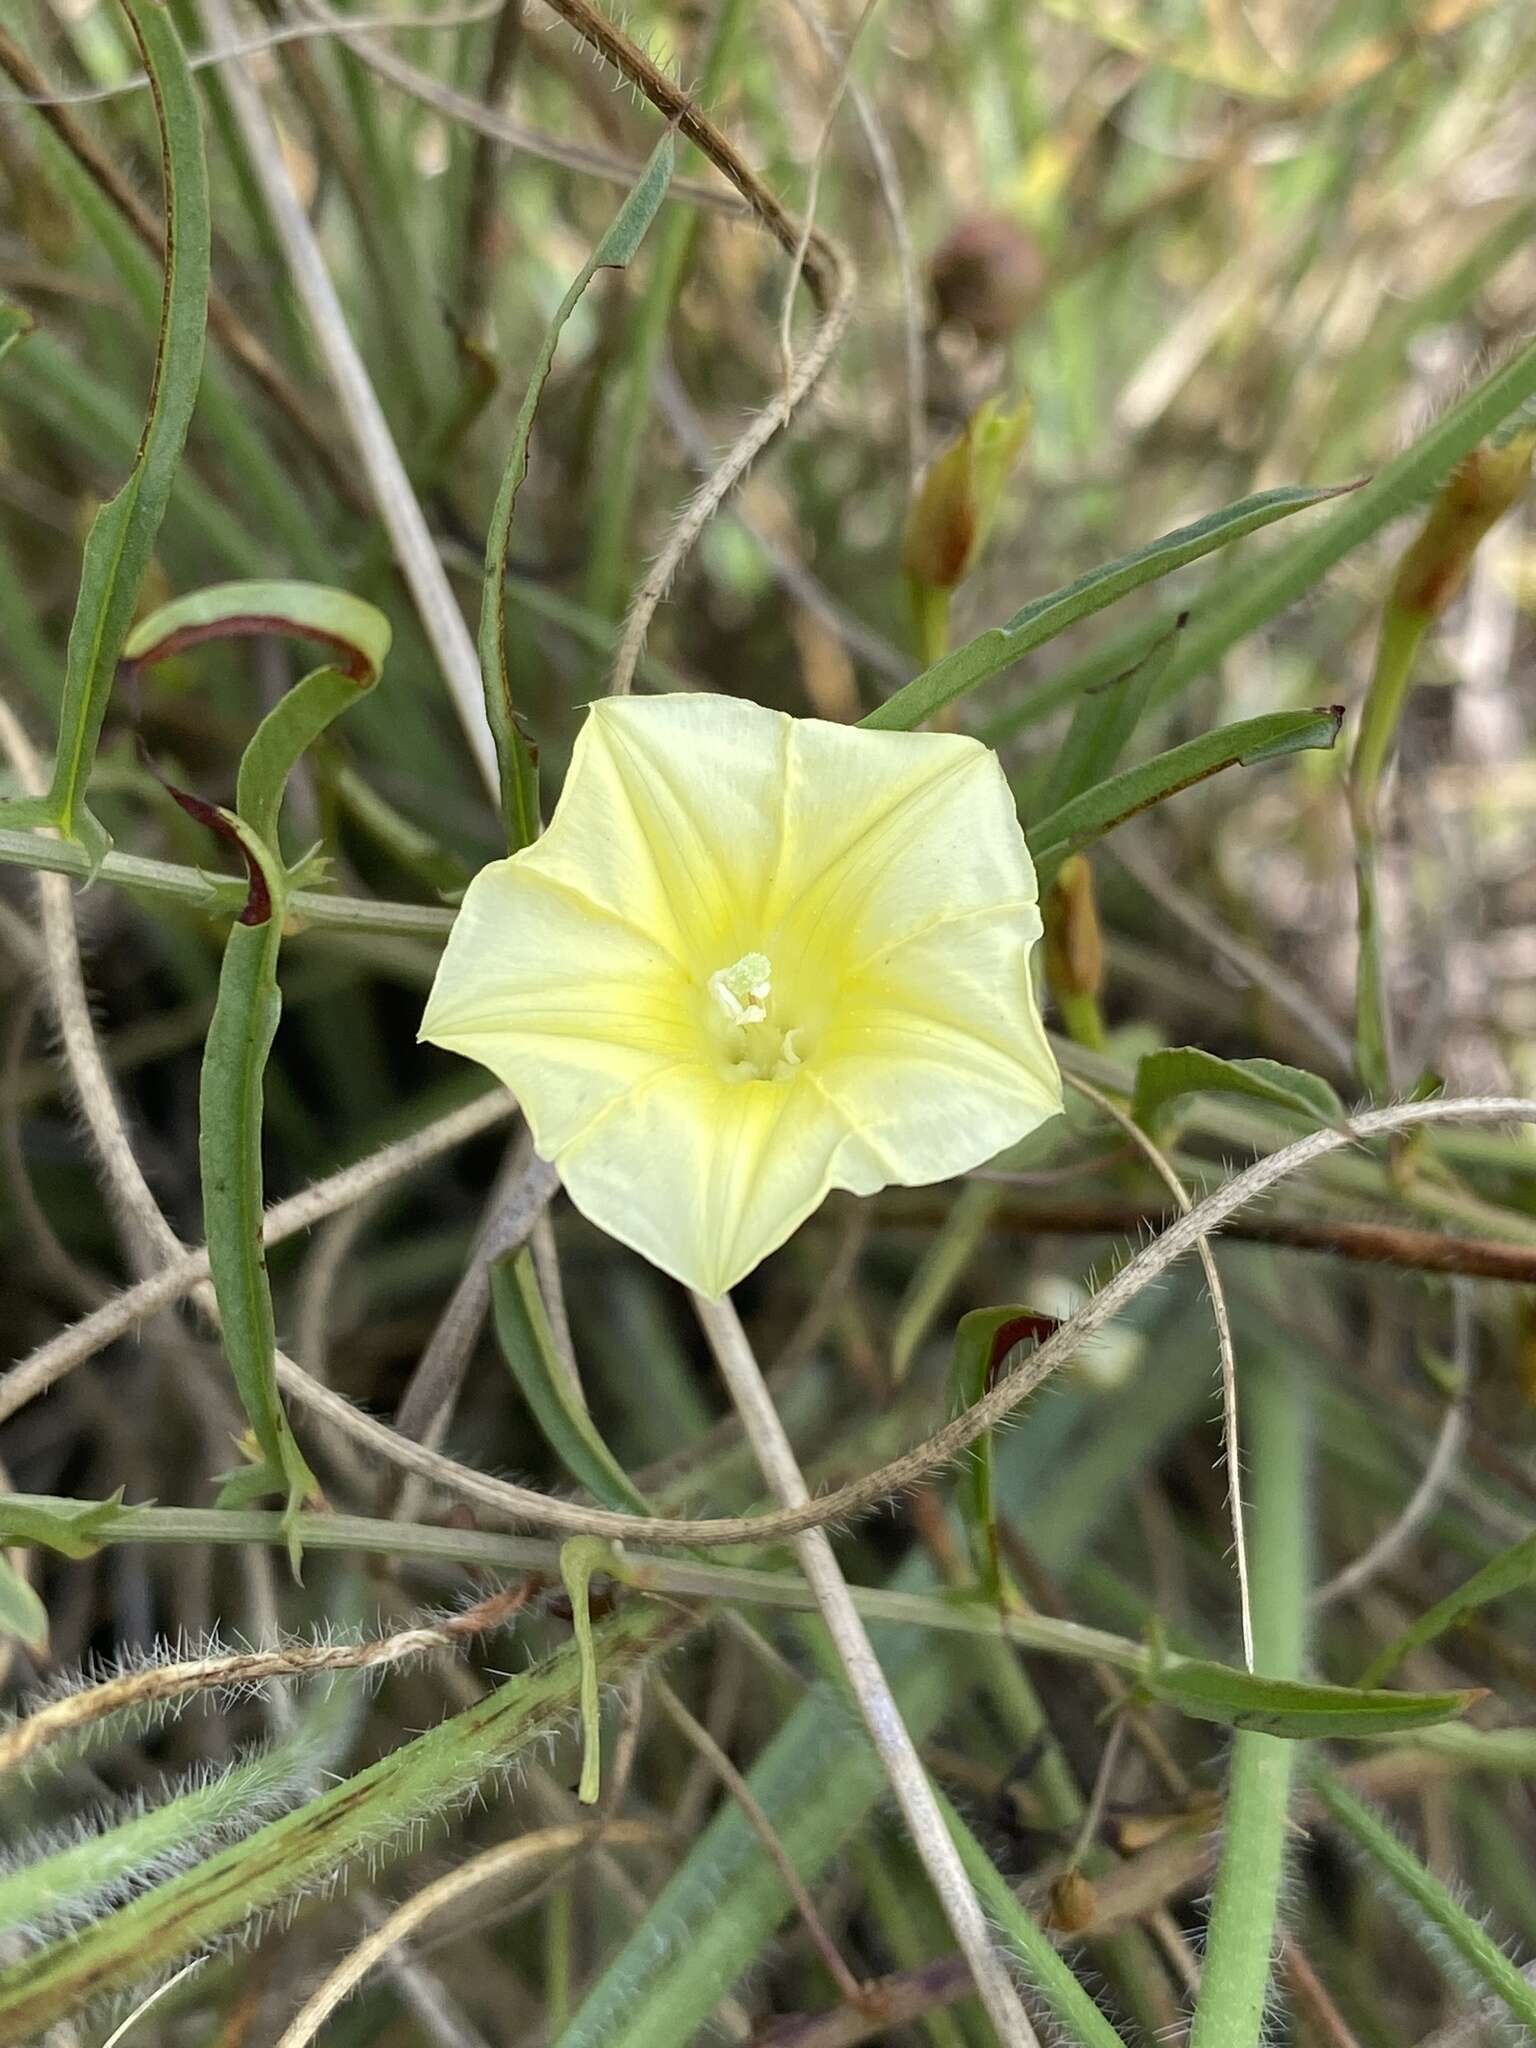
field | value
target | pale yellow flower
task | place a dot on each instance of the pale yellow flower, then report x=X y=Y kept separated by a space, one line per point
x=752 y=959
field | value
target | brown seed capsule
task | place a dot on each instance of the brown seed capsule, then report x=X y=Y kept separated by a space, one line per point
x=986 y=275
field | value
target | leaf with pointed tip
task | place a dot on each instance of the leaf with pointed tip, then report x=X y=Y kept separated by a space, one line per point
x=1294 y=1707
x=75 y=1527
x=1103 y=722
x=528 y=1346
x=1042 y=619
x=1099 y=810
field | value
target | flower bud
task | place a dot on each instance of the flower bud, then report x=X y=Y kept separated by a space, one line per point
x=1479 y=491
x=1073 y=1902
x=956 y=503
x=986 y=275
x=1074 y=945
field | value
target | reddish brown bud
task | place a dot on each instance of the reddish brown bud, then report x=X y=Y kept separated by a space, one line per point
x=1074 y=945
x=986 y=275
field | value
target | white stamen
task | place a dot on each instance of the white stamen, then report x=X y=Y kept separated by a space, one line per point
x=743 y=990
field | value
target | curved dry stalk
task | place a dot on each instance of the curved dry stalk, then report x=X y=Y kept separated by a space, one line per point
x=119 y=2032
x=507 y=1859
x=148 y=1238
x=523 y=1190
x=522 y=1504
x=821 y=261
x=1231 y=1441
x=539 y=1510
x=72 y=1347
x=842 y=75
x=813 y=255
x=728 y=473
x=888 y=179
x=796 y=576
x=1455 y=1428
x=869 y=1685
x=163 y=1684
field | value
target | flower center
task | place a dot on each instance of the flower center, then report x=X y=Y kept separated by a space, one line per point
x=755 y=1043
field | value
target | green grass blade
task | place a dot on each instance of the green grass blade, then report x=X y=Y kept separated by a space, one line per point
x=122 y=536
x=1248 y=602
x=991 y=652
x=528 y=1345
x=515 y=755
x=1510 y=1572
x=1097 y=811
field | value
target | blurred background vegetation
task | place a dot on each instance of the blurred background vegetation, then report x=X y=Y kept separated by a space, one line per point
x=1217 y=247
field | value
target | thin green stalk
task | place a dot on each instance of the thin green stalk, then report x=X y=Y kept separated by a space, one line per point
x=1450 y=1924
x=165 y=880
x=1240 y=1947
x=608 y=559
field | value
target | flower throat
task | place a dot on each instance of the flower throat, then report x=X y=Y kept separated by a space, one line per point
x=756 y=1047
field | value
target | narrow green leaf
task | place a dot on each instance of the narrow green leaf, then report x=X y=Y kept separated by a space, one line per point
x=22 y=1613
x=358 y=633
x=1510 y=1572
x=249 y=1001
x=1242 y=604
x=519 y=767
x=1102 y=725
x=1161 y=1077
x=528 y=1345
x=1042 y=619
x=122 y=536
x=240 y=1035
x=1293 y=1707
x=75 y=1527
x=1099 y=810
